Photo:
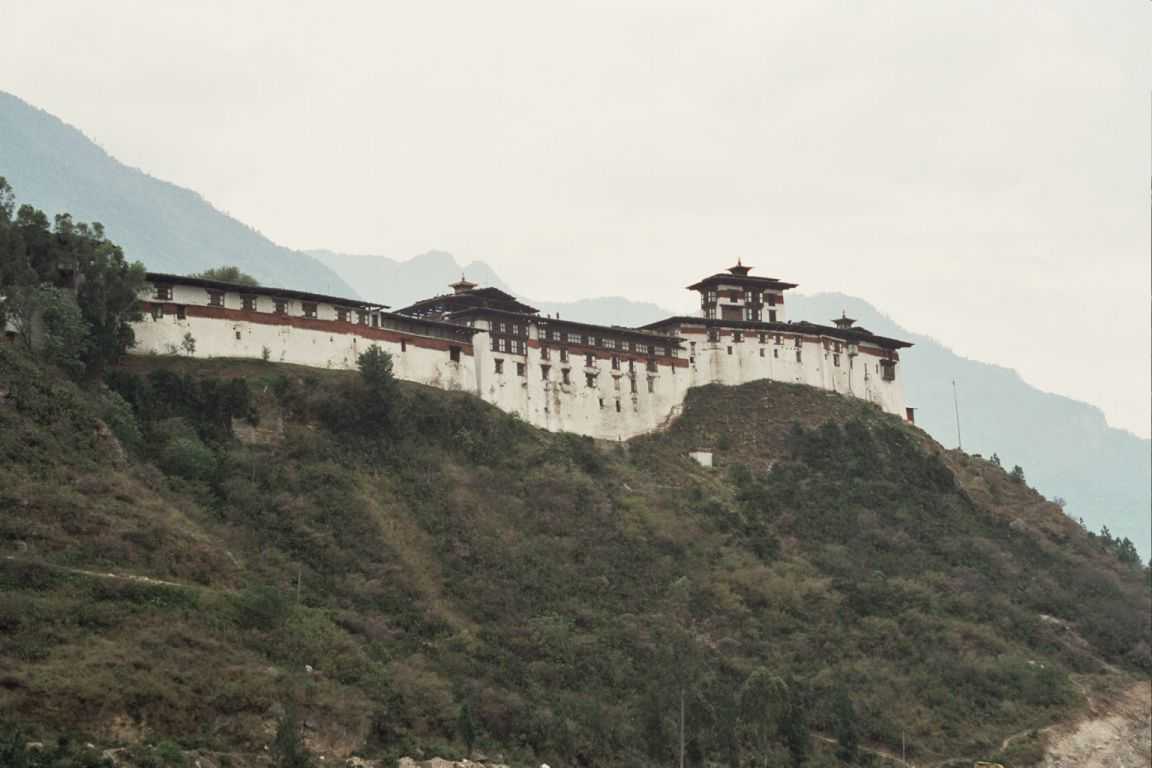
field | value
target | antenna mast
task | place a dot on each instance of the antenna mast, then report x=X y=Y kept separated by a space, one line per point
x=956 y=407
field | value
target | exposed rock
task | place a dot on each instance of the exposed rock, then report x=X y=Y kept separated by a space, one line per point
x=1120 y=738
x=437 y=762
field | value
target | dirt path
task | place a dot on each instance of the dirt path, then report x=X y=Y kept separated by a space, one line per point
x=870 y=750
x=1120 y=736
x=129 y=577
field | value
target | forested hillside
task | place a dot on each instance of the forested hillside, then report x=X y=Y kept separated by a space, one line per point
x=199 y=553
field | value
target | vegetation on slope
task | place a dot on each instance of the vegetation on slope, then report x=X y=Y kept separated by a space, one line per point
x=412 y=571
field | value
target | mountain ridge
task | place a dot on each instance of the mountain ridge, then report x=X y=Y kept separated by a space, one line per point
x=55 y=167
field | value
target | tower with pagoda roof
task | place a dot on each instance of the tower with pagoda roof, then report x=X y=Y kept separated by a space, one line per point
x=738 y=295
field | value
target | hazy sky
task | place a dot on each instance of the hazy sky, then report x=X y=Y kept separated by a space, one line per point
x=980 y=169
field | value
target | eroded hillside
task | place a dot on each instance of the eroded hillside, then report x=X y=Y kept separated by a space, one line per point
x=410 y=573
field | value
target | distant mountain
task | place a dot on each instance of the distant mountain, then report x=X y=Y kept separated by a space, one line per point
x=398 y=283
x=1065 y=447
x=56 y=168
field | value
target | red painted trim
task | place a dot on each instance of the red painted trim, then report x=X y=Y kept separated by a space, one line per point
x=312 y=324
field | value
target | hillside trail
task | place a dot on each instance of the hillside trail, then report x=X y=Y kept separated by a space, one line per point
x=109 y=575
x=872 y=751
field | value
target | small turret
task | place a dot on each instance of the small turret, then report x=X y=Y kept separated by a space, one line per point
x=463 y=285
x=739 y=269
x=844 y=321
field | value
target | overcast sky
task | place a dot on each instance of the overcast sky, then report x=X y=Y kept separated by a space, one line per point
x=979 y=170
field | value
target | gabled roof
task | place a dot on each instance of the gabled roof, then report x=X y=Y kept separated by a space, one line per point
x=730 y=278
x=471 y=298
x=263 y=290
x=813 y=329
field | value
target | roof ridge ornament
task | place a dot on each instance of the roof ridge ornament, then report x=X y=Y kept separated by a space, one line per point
x=844 y=321
x=462 y=285
x=740 y=269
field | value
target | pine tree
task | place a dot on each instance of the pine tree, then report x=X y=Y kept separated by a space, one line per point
x=288 y=747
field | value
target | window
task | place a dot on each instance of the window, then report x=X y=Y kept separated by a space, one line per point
x=651 y=385
x=737 y=336
x=564 y=376
x=615 y=363
x=799 y=359
x=375 y=320
x=761 y=352
x=309 y=309
x=589 y=380
x=888 y=370
x=520 y=369
x=342 y=314
x=237 y=335
x=361 y=317
x=729 y=350
x=610 y=343
x=713 y=335
x=403 y=345
x=573 y=338
x=771 y=298
x=164 y=292
x=215 y=298
x=776 y=354
x=544 y=371
x=590 y=360
x=563 y=355
x=499 y=365
x=631 y=366
x=248 y=303
x=626 y=346
x=617 y=406
x=771 y=315
x=662 y=351
x=652 y=366
x=181 y=312
x=454 y=354
x=763 y=338
x=545 y=353
x=779 y=339
x=798 y=341
x=835 y=359
x=555 y=335
x=632 y=384
x=157 y=311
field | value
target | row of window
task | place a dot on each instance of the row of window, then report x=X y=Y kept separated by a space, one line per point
x=566 y=376
x=749 y=295
x=607 y=342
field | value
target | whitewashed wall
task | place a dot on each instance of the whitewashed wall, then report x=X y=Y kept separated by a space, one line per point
x=336 y=348
x=549 y=404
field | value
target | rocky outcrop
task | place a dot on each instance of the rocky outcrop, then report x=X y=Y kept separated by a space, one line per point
x=436 y=762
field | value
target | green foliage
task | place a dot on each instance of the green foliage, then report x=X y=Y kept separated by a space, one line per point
x=466 y=728
x=1018 y=474
x=227 y=274
x=288 y=748
x=463 y=573
x=847 y=729
x=39 y=264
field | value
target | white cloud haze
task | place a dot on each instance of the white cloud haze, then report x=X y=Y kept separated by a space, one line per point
x=979 y=170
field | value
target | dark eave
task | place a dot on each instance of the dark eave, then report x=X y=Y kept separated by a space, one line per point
x=475 y=297
x=553 y=322
x=847 y=334
x=731 y=279
x=259 y=290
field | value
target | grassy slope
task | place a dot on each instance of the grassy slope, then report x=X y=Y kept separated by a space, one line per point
x=563 y=590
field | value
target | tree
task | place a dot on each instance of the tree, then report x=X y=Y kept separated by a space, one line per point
x=762 y=697
x=466 y=727
x=376 y=369
x=846 y=728
x=227 y=274
x=996 y=460
x=793 y=723
x=1018 y=474
x=188 y=344
x=287 y=746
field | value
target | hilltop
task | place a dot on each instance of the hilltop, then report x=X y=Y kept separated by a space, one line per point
x=209 y=545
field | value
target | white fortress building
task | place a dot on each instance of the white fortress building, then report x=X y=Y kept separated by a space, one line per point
x=607 y=382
